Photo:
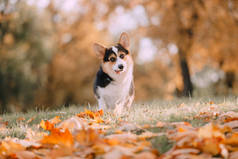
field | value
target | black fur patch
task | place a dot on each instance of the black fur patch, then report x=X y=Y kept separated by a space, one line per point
x=108 y=53
x=121 y=48
x=102 y=80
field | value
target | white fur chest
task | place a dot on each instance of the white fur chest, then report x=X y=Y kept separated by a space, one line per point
x=116 y=92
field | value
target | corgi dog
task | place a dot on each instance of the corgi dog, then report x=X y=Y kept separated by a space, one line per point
x=114 y=84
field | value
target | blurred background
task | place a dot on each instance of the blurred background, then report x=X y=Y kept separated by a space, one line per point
x=180 y=48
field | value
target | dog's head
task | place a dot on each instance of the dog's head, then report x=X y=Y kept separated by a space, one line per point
x=116 y=60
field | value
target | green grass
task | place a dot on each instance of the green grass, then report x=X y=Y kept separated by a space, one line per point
x=141 y=113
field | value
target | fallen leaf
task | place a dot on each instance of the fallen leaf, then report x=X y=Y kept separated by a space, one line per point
x=3 y=125
x=233 y=155
x=59 y=137
x=185 y=150
x=145 y=155
x=211 y=146
x=87 y=137
x=10 y=147
x=46 y=125
x=25 y=155
x=147 y=135
x=210 y=131
x=74 y=124
x=55 y=120
x=233 y=140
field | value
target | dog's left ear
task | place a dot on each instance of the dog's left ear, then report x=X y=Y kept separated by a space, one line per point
x=99 y=50
x=124 y=40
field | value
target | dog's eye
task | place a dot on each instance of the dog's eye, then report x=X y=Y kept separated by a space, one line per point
x=122 y=56
x=112 y=59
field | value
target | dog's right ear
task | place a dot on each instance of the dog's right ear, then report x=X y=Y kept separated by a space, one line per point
x=99 y=50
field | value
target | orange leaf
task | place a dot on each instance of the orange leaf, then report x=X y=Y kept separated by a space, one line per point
x=87 y=137
x=211 y=146
x=98 y=149
x=3 y=124
x=180 y=129
x=100 y=112
x=57 y=137
x=211 y=102
x=146 y=126
x=228 y=119
x=10 y=147
x=46 y=125
x=118 y=132
x=90 y=114
x=112 y=142
x=99 y=120
x=55 y=120
x=233 y=140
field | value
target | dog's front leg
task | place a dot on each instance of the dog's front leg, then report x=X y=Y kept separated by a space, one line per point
x=118 y=109
x=119 y=106
x=102 y=104
x=129 y=102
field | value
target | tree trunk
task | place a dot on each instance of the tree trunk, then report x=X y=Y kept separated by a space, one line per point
x=3 y=96
x=188 y=87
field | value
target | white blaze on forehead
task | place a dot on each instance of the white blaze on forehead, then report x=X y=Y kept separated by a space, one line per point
x=114 y=49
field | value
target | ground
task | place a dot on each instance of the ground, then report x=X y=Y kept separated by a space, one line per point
x=156 y=116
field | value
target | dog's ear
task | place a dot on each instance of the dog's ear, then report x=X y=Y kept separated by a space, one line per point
x=124 y=40
x=99 y=50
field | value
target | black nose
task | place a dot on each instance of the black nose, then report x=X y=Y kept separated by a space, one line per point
x=120 y=67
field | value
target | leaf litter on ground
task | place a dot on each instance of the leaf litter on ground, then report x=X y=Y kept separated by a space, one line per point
x=89 y=135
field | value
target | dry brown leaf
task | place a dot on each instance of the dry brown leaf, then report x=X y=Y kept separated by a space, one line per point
x=3 y=125
x=233 y=140
x=232 y=124
x=74 y=124
x=211 y=146
x=117 y=152
x=233 y=155
x=34 y=135
x=87 y=137
x=25 y=155
x=229 y=116
x=144 y=155
x=147 y=135
x=9 y=147
x=185 y=151
x=123 y=137
x=210 y=131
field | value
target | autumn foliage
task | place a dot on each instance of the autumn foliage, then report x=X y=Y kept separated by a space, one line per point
x=85 y=139
x=81 y=136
